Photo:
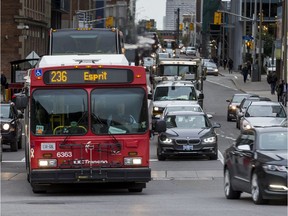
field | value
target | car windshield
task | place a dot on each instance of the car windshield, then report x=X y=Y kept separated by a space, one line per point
x=187 y=121
x=265 y=111
x=5 y=111
x=238 y=98
x=210 y=64
x=165 y=93
x=273 y=141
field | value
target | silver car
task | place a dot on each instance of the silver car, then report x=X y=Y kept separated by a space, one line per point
x=263 y=114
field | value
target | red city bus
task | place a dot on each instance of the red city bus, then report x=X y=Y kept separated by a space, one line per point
x=86 y=122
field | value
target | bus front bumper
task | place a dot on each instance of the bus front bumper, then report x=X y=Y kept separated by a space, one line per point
x=60 y=176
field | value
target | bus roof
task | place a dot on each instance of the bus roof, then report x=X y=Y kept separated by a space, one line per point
x=69 y=60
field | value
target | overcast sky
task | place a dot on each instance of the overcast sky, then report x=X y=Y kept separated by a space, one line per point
x=151 y=9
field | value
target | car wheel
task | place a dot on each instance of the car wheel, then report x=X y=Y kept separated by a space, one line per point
x=256 y=190
x=135 y=190
x=228 y=119
x=230 y=193
x=14 y=146
x=160 y=156
x=214 y=156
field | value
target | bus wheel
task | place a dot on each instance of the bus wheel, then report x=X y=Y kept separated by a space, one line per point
x=14 y=146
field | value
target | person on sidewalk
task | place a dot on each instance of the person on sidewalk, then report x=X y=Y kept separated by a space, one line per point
x=249 y=68
x=245 y=72
x=4 y=84
x=272 y=80
x=279 y=90
x=230 y=65
x=224 y=63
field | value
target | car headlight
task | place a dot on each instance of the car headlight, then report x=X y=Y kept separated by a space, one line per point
x=166 y=140
x=246 y=125
x=209 y=140
x=47 y=163
x=271 y=167
x=233 y=107
x=6 y=126
x=156 y=108
x=215 y=70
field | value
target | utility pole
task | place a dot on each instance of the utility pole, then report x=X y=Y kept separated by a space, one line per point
x=178 y=23
x=255 y=70
x=244 y=31
x=260 y=43
x=285 y=41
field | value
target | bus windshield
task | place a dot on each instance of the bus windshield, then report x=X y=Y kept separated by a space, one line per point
x=119 y=111
x=113 y=111
x=84 y=42
x=59 y=112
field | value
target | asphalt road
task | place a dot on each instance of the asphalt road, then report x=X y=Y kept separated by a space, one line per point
x=186 y=186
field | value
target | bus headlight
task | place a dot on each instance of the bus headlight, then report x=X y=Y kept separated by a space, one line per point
x=130 y=161
x=47 y=163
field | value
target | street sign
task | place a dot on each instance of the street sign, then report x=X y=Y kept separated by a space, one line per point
x=32 y=55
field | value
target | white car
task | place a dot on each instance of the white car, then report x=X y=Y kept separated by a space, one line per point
x=190 y=51
x=211 y=68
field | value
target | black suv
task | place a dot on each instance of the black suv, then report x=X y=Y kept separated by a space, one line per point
x=11 y=126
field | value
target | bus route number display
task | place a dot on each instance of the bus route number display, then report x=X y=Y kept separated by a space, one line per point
x=88 y=76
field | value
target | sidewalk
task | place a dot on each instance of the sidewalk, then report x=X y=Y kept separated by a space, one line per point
x=261 y=88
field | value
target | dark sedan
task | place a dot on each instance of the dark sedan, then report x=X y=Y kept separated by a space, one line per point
x=257 y=164
x=188 y=133
x=11 y=127
x=233 y=103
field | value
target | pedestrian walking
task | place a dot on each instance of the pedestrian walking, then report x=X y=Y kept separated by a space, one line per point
x=245 y=72
x=279 y=90
x=230 y=65
x=284 y=94
x=224 y=63
x=4 y=84
x=249 y=68
x=272 y=80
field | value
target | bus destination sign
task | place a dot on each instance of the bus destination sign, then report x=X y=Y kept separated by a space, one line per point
x=88 y=76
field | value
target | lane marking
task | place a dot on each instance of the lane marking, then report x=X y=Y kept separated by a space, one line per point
x=235 y=89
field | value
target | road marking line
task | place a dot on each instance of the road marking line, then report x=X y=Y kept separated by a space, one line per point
x=222 y=85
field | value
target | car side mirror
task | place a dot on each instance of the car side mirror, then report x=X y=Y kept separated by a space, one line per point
x=160 y=126
x=244 y=147
x=216 y=125
x=228 y=100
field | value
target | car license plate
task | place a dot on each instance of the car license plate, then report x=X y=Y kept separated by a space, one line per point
x=187 y=147
x=48 y=146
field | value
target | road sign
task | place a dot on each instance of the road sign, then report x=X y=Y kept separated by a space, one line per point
x=32 y=55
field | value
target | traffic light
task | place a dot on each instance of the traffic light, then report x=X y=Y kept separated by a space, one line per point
x=249 y=44
x=109 y=21
x=148 y=25
x=191 y=26
x=217 y=18
x=181 y=26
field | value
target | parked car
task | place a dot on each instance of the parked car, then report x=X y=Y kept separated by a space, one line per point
x=210 y=68
x=11 y=126
x=257 y=164
x=233 y=103
x=190 y=51
x=243 y=105
x=263 y=114
x=188 y=133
